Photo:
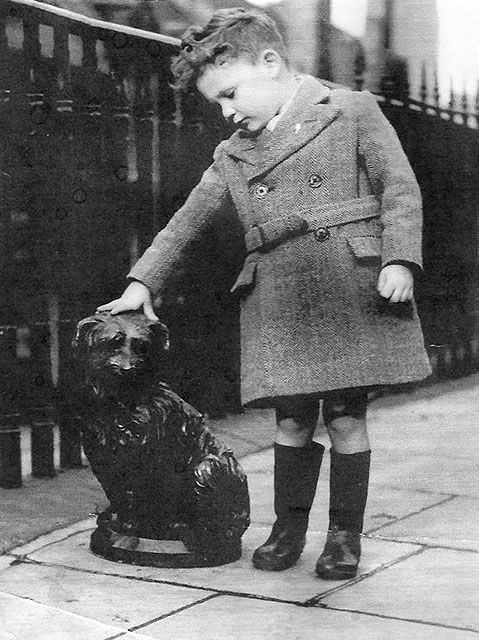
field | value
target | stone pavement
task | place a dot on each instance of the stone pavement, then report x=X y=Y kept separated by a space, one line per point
x=419 y=575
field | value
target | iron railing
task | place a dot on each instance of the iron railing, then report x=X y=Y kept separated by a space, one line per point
x=96 y=155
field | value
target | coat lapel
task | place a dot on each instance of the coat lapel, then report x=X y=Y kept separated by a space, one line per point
x=306 y=118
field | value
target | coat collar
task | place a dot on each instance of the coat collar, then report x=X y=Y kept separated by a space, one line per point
x=309 y=114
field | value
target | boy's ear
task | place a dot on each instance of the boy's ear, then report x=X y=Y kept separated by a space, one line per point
x=272 y=61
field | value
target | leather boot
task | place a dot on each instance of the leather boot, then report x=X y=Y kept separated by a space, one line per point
x=296 y=472
x=348 y=488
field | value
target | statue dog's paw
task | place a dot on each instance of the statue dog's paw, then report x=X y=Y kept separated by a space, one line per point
x=207 y=473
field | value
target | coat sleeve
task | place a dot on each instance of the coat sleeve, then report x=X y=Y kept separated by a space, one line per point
x=193 y=221
x=393 y=182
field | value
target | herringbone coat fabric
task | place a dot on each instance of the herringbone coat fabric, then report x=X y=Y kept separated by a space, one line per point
x=311 y=317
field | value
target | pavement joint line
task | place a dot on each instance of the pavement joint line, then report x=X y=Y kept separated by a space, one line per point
x=172 y=613
x=118 y=635
x=385 y=538
x=427 y=546
x=427 y=492
x=124 y=634
x=172 y=583
x=383 y=616
x=14 y=553
x=313 y=602
x=54 y=608
x=320 y=605
x=450 y=498
x=52 y=537
x=364 y=576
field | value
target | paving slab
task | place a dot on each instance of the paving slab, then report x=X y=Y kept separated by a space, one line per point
x=453 y=524
x=425 y=472
x=438 y=586
x=22 y=619
x=428 y=444
x=294 y=585
x=229 y=618
x=122 y=603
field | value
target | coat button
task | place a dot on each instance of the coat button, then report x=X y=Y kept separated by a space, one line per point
x=314 y=181
x=322 y=234
x=260 y=190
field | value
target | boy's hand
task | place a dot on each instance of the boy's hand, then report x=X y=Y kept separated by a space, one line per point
x=396 y=283
x=135 y=296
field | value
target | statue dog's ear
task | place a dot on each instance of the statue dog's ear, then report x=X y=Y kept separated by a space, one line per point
x=160 y=333
x=83 y=339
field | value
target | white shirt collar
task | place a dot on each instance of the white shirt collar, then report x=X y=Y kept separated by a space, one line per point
x=271 y=125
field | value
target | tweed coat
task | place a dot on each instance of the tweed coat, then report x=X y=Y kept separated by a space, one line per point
x=325 y=200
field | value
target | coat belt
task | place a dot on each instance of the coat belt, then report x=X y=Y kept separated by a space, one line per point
x=268 y=235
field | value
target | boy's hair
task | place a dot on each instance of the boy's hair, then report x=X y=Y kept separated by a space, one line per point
x=230 y=33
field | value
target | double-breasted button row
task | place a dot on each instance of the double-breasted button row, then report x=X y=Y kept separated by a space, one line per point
x=322 y=234
x=260 y=190
x=315 y=180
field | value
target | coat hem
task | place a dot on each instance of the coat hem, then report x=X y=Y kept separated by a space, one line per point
x=269 y=401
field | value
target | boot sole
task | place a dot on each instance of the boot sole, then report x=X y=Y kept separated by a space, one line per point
x=337 y=574
x=266 y=565
x=272 y=562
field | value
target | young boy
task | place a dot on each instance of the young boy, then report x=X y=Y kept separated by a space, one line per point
x=332 y=219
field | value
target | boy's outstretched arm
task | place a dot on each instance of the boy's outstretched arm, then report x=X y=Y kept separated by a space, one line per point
x=196 y=218
x=136 y=296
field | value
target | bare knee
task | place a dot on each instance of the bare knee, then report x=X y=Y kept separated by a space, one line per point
x=293 y=430
x=342 y=410
x=296 y=420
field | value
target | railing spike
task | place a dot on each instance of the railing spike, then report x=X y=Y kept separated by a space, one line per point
x=465 y=97
x=436 y=93
x=465 y=104
x=452 y=97
x=423 y=90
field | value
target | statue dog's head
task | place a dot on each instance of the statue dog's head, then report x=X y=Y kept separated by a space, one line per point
x=119 y=350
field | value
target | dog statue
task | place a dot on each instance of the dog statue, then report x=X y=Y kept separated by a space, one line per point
x=177 y=498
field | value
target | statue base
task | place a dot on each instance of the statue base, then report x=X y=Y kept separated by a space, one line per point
x=149 y=552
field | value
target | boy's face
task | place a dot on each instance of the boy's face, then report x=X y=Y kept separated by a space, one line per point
x=249 y=94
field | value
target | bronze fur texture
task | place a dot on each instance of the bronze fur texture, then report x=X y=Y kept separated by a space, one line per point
x=164 y=473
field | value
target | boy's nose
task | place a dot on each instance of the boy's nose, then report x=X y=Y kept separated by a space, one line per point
x=227 y=110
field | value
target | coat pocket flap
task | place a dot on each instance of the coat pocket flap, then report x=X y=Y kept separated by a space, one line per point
x=365 y=246
x=247 y=276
